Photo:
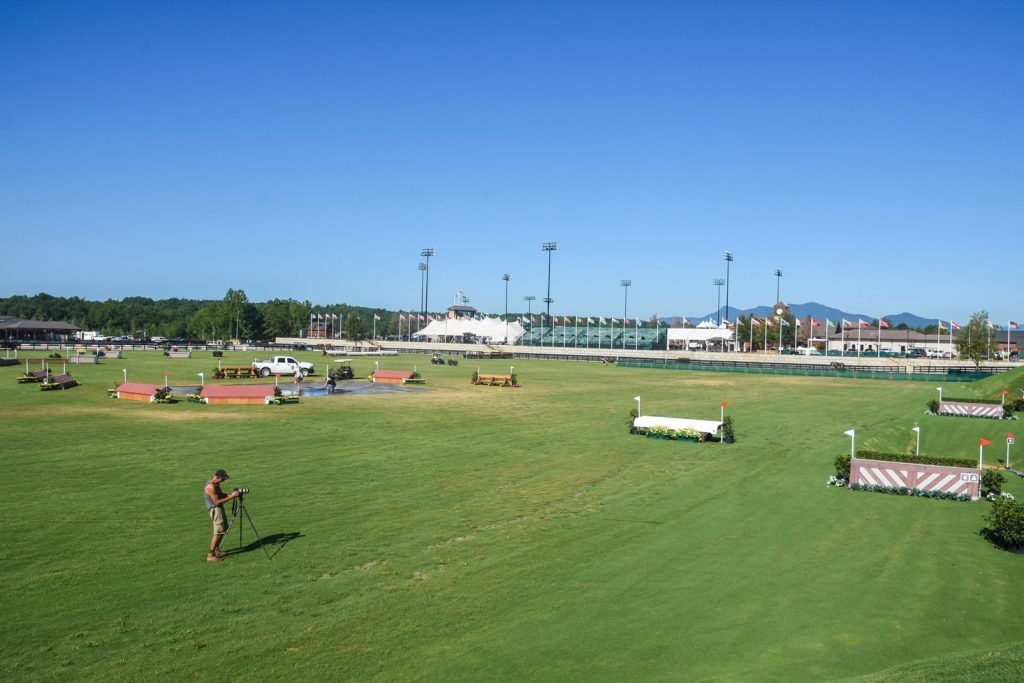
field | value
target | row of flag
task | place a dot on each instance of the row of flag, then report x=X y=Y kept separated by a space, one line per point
x=568 y=320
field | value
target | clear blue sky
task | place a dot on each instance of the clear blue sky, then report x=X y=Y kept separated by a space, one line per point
x=871 y=150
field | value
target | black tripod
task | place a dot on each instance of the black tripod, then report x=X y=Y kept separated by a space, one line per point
x=237 y=511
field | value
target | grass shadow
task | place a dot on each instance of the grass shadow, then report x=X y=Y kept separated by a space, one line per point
x=272 y=544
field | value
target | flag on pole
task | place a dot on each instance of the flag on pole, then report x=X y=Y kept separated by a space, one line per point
x=768 y=322
x=953 y=325
x=941 y=326
x=590 y=321
x=984 y=442
x=686 y=322
x=815 y=323
x=754 y=322
x=1014 y=326
x=862 y=324
x=401 y=317
x=883 y=323
x=376 y=317
x=785 y=323
x=725 y=321
x=420 y=318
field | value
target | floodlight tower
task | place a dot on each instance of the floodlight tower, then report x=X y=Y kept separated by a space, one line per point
x=426 y=253
x=506 y=277
x=718 y=282
x=778 y=284
x=423 y=305
x=626 y=284
x=529 y=298
x=727 y=255
x=549 y=247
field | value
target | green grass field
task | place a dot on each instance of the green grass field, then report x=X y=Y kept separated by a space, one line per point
x=480 y=533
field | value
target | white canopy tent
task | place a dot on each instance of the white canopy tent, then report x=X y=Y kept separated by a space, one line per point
x=494 y=330
x=699 y=338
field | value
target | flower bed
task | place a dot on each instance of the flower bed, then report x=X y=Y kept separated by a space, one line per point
x=664 y=432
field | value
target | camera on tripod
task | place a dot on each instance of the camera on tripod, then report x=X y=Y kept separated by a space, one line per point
x=241 y=492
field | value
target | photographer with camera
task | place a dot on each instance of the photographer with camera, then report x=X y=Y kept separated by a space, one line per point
x=215 y=499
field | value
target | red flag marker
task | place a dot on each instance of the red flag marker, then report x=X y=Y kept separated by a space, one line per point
x=984 y=442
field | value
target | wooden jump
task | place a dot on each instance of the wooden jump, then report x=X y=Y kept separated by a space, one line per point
x=58 y=382
x=236 y=372
x=494 y=380
x=35 y=376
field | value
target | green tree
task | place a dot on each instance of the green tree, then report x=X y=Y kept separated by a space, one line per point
x=355 y=328
x=975 y=339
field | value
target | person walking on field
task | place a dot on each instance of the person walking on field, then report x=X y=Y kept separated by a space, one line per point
x=298 y=381
x=215 y=500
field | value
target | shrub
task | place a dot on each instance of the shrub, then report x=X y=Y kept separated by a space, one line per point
x=918 y=459
x=1018 y=405
x=1007 y=522
x=992 y=481
x=728 y=434
x=842 y=463
x=933 y=406
x=453 y=361
x=218 y=354
x=55 y=355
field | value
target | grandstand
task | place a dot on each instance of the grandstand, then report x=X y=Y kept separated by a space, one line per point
x=604 y=338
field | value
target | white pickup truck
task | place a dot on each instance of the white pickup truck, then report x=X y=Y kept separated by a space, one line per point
x=282 y=365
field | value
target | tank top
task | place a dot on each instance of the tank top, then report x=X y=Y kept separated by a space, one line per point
x=206 y=497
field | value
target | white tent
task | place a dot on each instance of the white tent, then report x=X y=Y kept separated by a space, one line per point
x=693 y=338
x=494 y=330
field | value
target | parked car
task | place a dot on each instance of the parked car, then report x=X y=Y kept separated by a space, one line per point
x=915 y=353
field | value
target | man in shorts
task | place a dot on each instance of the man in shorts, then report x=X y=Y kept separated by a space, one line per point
x=215 y=500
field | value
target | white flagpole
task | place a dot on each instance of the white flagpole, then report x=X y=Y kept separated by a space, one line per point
x=879 y=338
x=576 y=332
x=588 y=332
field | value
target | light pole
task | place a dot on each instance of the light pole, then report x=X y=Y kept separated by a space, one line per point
x=626 y=284
x=917 y=448
x=506 y=277
x=529 y=298
x=426 y=253
x=718 y=282
x=423 y=306
x=549 y=247
x=778 y=284
x=728 y=259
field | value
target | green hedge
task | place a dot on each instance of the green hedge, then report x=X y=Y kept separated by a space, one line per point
x=918 y=459
x=992 y=401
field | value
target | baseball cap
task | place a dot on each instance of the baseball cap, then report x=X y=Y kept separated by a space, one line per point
x=222 y=474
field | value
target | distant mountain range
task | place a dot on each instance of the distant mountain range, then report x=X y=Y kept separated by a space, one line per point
x=818 y=312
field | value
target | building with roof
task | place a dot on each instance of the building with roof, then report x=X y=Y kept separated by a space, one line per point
x=12 y=328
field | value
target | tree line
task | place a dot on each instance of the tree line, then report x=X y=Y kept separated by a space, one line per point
x=233 y=317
